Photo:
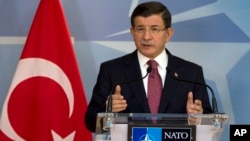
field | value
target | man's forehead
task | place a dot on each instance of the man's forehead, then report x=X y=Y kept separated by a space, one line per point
x=153 y=20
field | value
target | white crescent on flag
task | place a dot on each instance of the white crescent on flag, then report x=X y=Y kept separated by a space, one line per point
x=33 y=67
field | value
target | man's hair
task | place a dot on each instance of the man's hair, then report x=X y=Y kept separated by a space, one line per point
x=152 y=8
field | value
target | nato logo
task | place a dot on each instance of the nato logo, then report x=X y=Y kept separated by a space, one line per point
x=146 y=134
x=160 y=134
x=194 y=21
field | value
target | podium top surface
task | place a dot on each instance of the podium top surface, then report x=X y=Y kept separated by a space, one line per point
x=161 y=117
x=216 y=120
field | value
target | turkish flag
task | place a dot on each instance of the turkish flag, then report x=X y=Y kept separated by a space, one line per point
x=46 y=100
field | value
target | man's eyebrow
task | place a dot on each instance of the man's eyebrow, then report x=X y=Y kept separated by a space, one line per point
x=150 y=26
x=155 y=26
x=139 y=25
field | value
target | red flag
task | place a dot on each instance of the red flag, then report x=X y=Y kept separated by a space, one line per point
x=46 y=100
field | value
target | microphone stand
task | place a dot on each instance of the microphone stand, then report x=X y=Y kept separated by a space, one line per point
x=108 y=116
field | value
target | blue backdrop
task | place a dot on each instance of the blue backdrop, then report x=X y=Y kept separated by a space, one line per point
x=212 y=33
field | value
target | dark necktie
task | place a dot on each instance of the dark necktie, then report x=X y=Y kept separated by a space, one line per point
x=154 y=87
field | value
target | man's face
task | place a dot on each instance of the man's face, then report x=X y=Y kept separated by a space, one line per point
x=150 y=35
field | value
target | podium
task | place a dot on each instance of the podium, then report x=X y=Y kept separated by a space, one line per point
x=169 y=127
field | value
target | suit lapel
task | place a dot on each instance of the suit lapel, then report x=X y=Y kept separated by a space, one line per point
x=170 y=84
x=168 y=91
x=133 y=72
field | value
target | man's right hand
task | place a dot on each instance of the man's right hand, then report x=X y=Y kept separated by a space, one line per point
x=118 y=101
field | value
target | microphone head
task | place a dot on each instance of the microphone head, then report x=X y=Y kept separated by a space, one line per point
x=149 y=69
x=109 y=108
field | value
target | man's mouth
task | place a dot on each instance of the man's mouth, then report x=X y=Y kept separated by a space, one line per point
x=143 y=43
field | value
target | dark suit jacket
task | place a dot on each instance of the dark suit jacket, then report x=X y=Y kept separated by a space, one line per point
x=125 y=68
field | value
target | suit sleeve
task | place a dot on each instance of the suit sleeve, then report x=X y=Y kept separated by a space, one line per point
x=202 y=94
x=101 y=91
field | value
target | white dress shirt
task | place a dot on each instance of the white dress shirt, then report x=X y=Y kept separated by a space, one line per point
x=162 y=61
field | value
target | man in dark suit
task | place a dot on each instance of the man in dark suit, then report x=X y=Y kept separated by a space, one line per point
x=151 y=30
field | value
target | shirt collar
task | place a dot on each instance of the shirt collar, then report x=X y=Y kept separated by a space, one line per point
x=162 y=59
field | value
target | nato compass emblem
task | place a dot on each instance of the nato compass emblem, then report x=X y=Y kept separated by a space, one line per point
x=147 y=137
x=146 y=134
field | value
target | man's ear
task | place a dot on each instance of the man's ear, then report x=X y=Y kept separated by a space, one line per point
x=170 y=33
x=132 y=32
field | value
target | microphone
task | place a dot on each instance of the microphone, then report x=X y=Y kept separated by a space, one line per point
x=175 y=76
x=108 y=121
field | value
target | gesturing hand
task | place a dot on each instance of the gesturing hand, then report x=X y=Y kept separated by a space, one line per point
x=118 y=101
x=193 y=106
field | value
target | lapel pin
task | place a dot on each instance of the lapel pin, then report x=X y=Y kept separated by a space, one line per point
x=176 y=74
